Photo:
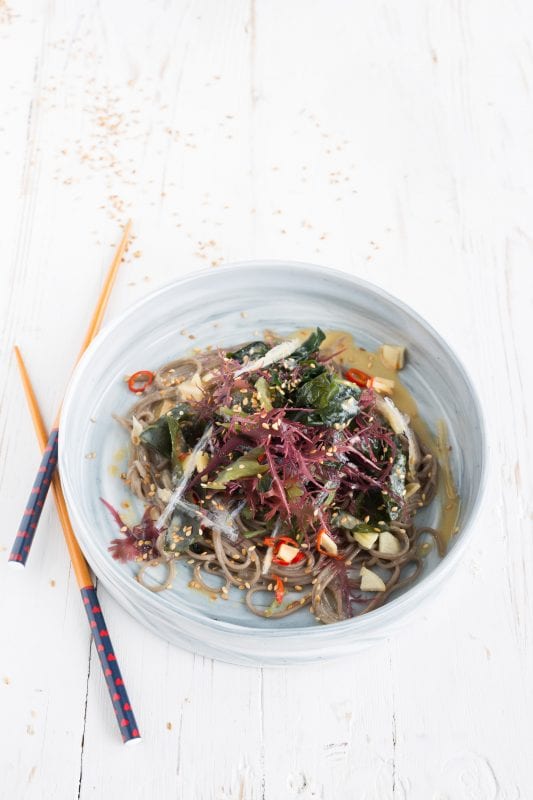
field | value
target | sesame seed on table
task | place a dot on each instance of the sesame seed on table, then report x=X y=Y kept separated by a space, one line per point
x=392 y=142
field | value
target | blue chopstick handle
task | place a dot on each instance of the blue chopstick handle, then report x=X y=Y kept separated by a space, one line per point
x=26 y=533
x=113 y=678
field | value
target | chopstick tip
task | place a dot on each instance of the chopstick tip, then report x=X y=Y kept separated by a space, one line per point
x=18 y=565
x=136 y=740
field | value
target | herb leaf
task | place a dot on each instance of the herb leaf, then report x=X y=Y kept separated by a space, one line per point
x=311 y=345
x=245 y=466
x=263 y=394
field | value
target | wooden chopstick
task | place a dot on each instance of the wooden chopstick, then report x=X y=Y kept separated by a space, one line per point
x=101 y=305
x=112 y=675
x=32 y=513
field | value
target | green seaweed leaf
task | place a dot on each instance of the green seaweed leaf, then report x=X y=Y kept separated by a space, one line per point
x=334 y=401
x=253 y=350
x=309 y=346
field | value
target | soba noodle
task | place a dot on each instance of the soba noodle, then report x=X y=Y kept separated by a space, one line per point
x=328 y=583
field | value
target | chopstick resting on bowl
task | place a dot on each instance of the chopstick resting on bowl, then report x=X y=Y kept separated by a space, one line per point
x=26 y=532
x=113 y=678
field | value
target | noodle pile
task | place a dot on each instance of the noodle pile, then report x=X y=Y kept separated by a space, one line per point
x=328 y=584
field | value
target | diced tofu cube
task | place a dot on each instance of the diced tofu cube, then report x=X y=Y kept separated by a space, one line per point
x=382 y=385
x=370 y=581
x=388 y=543
x=327 y=544
x=366 y=540
x=287 y=553
x=393 y=356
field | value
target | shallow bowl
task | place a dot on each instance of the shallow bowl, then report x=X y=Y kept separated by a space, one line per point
x=225 y=307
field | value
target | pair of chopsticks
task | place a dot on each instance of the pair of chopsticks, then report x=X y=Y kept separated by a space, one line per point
x=32 y=513
x=47 y=476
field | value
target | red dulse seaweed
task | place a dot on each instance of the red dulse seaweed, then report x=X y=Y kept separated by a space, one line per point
x=138 y=542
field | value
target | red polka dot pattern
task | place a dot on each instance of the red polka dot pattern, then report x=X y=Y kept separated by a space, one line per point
x=32 y=512
x=108 y=660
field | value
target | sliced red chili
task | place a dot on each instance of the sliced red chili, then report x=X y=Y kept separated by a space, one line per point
x=359 y=377
x=279 y=590
x=140 y=381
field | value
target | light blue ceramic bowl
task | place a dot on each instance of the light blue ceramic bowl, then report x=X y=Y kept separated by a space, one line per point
x=224 y=307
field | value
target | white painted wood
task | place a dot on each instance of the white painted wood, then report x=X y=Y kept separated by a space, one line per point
x=391 y=140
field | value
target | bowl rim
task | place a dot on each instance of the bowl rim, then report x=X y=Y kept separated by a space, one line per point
x=377 y=618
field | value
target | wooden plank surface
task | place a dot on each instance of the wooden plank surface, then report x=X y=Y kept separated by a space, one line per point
x=394 y=141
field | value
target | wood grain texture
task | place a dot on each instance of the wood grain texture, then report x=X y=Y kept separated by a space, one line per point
x=394 y=141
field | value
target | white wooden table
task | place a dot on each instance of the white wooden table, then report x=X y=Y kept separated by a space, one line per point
x=392 y=140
